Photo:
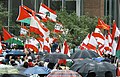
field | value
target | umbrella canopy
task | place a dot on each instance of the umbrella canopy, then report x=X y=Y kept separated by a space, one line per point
x=84 y=54
x=8 y=69
x=64 y=73
x=15 y=41
x=86 y=65
x=16 y=53
x=37 y=70
x=53 y=57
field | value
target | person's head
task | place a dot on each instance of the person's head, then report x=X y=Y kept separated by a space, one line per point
x=25 y=64
x=91 y=74
x=108 y=74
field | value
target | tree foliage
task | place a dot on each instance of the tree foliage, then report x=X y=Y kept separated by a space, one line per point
x=3 y=16
x=78 y=27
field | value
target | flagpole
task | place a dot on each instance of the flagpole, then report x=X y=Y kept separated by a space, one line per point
x=8 y=14
x=21 y=2
x=22 y=5
x=49 y=3
x=35 y=6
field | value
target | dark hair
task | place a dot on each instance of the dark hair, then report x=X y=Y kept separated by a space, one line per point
x=108 y=74
x=25 y=64
x=91 y=74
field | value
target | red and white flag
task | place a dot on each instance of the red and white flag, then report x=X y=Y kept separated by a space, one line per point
x=32 y=43
x=37 y=27
x=51 y=14
x=65 y=48
x=58 y=28
x=23 y=30
x=85 y=42
x=92 y=44
x=99 y=36
x=47 y=47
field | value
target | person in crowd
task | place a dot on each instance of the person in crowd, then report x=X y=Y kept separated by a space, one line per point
x=30 y=63
x=108 y=74
x=91 y=74
x=25 y=65
x=118 y=69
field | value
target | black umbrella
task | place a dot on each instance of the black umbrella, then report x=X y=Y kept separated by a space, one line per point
x=53 y=57
x=84 y=54
x=86 y=65
x=16 y=53
x=13 y=75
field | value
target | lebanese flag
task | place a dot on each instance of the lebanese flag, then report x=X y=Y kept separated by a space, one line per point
x=47 y=47
x=65 y=48
x=85 y=42
x=6 y=35
x=58 y=28
x=51 y=14
x=32 y=43
x=37 y=27
x=23 y=30
x=92 y=44
x=102 y=25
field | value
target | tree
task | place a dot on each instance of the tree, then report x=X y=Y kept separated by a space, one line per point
x=3 y=16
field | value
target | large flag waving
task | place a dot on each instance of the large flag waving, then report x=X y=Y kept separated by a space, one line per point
x=6 y=35
x=32 y=43
x=37 y=27
x=24 y=15
x=51 y=14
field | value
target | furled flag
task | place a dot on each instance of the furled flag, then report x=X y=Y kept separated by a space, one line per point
x=23 y=31
x=99 y=36
x=41 y=42
x=118 y=49
x=37 y=27
x=102 y=25
x=65 y=48
x=6 y=35
x=46 y=46
x=58 y=28
x=115 y=31
x=92 y=44
x=0 y=46
x=85 y=42
x=51 y=14
x=32 y=43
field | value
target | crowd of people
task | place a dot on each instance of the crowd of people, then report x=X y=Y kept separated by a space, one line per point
x=32 y=59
